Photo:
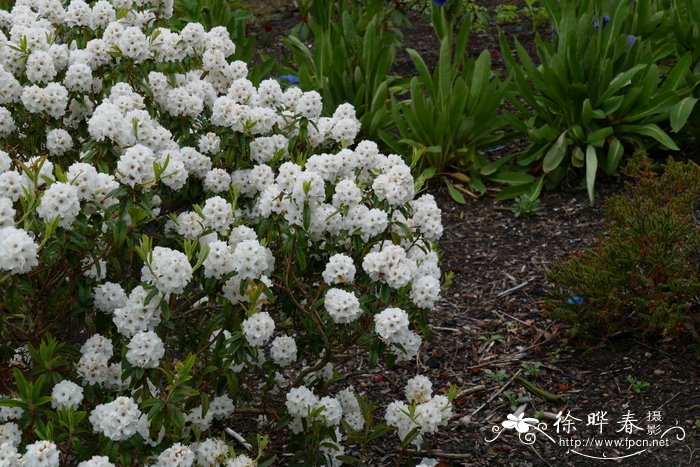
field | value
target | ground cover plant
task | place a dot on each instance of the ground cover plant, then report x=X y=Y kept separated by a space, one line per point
x=642 y=275
x=179 y=245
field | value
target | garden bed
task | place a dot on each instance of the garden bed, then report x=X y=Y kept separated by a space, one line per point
x=492 y=319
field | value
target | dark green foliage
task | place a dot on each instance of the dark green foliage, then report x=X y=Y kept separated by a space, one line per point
x=642 y=275
x=354 y=47
x=608 y=82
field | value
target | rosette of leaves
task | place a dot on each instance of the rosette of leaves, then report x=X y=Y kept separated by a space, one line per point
x=598 y=91
x=352 y=52
x=453 y=111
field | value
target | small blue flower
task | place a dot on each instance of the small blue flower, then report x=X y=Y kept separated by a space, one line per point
x=291 y=79
x=596 y=23
x=575 y=300
x=439 y=2
x=554 y=33
x=631 y=39
x=518 y=29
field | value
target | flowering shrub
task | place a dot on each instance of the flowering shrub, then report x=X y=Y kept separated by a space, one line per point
x=180 y=250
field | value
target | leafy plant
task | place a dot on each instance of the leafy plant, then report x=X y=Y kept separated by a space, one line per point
x=526 y=206
x=637 y=385
x=350 y=60
x=642 y=274
x=598 y=92
x=514 y=400
x=499 y=376
x=507 y=13
x=453 y=111
x=532 y=369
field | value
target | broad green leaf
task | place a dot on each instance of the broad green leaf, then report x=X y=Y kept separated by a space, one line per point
x=615 y=152
x=591 y=169
x=455 y=194
x=555 y=155
x=651 y=130
x=511 y=178
x=597 y=138
x=680 y=113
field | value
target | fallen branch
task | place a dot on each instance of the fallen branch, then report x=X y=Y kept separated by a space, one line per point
x=493 y=396
x=471 y=390
x=239 y=438
x=513 y=289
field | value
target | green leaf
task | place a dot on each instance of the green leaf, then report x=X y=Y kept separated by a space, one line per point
x=615 y=152
x=597 y=138
x=555 y=155
x=651 y=130
x=455 y=194
x=680 y=113
x=512 y=178
x=591 y=169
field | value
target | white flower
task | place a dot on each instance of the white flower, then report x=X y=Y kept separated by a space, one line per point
x=390 y=323
x=283 y=350
x=109 y=296
x=340 y=269
x=145 y=350
x=137 y=315
x=176 y=455
x=342 y=306
x=60 y=200
x=66 y=394
x=18 y=251
x=301 y=401
x=418 y=389
x=258 y=328
x=97 y=461
x=10 y=434
x=169 y=270
x=9 y=455
x=332 y=410
x=41 y=454
x=117 y=420
x=425 y=291
x=210 y=452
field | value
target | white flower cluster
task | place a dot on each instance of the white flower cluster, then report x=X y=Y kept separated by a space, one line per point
x=216 y=157
x=94 y=367
x=427 y=412
x=18 y=251
x=97 y=461
x=145 y=349
x=392 y=327
x=342 y=306
x=117 y=420
x=66 y=394
x=258 y=329
x=169 y=270
x=41 y=454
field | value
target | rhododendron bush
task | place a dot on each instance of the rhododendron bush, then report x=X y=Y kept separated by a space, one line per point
x=189 y=262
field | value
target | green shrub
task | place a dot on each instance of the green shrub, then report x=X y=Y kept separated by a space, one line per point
x=599 y=91
x=353 y=50
x=453 y=112
x=642 y=274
